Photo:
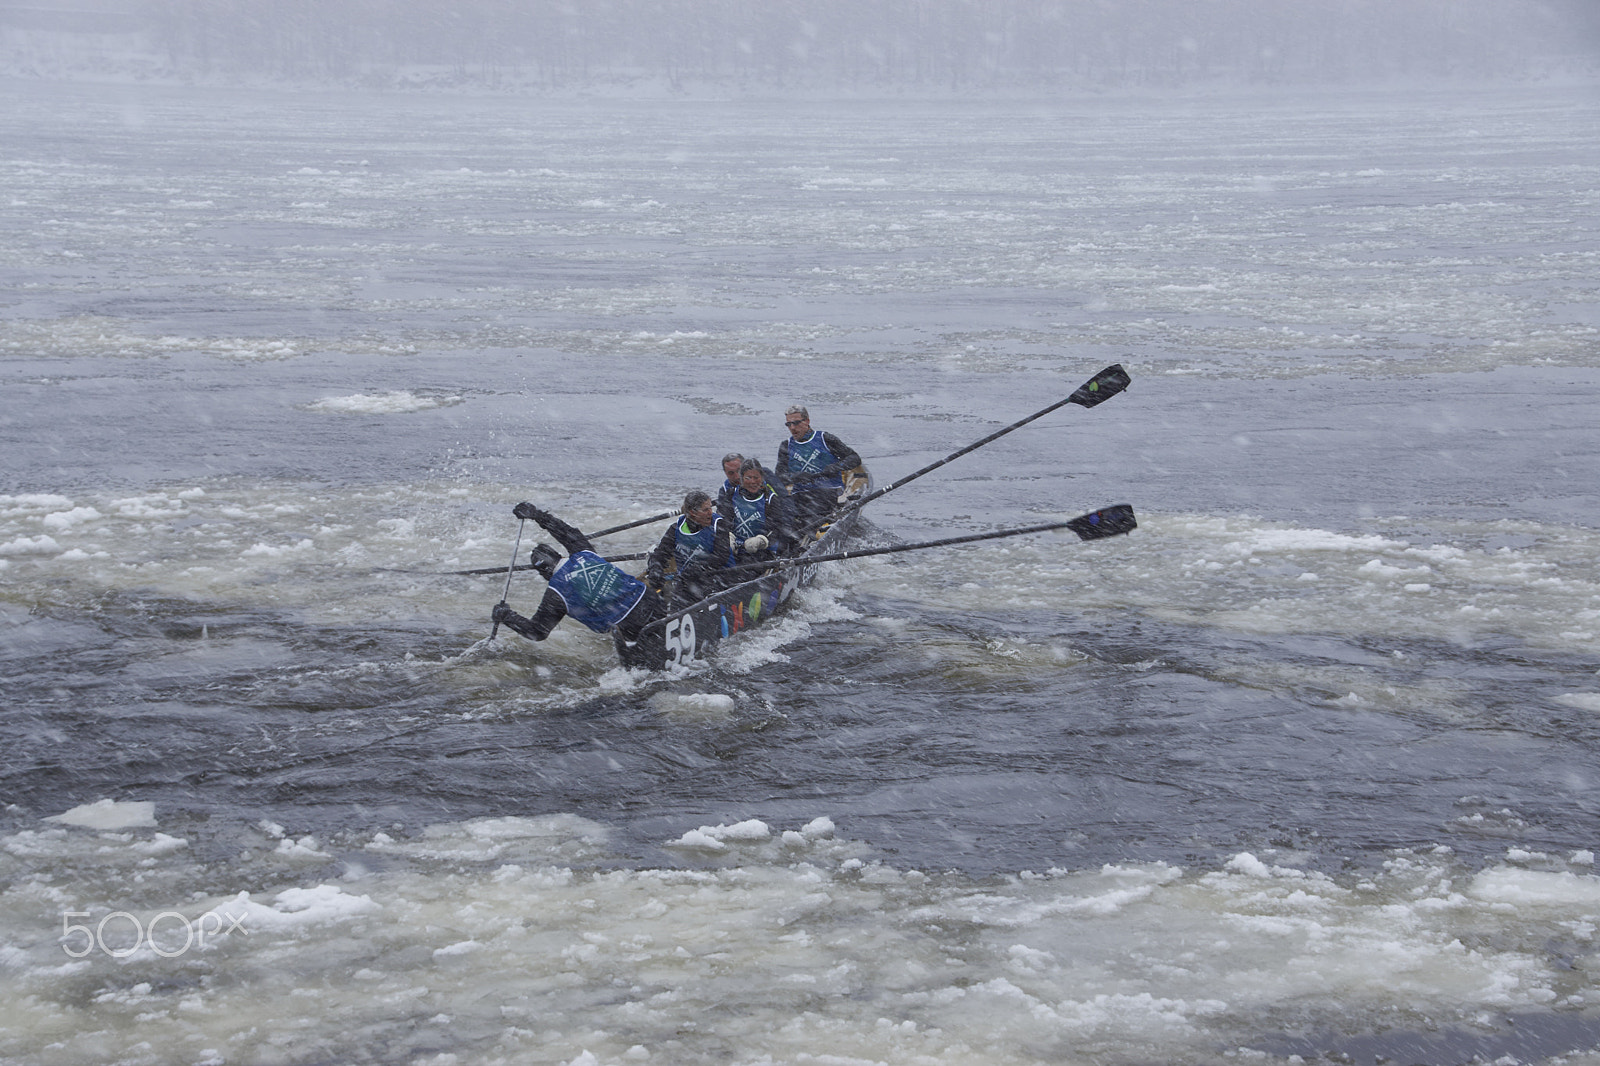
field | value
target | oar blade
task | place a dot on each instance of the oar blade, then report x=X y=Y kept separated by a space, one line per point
x=1100 y=388
x=1107 y=522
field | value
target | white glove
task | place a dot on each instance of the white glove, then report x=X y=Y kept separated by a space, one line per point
x=755 y=544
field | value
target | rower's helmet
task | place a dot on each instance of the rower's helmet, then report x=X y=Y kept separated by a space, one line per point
x=545 y=559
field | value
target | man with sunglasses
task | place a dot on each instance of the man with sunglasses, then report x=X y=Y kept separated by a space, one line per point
x=812 y=464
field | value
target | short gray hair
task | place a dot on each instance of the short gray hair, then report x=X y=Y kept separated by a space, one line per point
x=798 y=410
x=694 y=499
x=732 y=457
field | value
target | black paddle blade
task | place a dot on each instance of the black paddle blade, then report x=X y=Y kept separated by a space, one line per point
x=1106 y=522
x=1100 y=388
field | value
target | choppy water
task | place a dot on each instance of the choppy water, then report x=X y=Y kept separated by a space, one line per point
x=1303 y=767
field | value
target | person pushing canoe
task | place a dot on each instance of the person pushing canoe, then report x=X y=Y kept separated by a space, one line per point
x=583 y=585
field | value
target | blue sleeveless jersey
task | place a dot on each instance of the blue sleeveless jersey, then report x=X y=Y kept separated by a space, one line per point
x=810 y=455
x=750 y=516
x=688 y=544
x=595 y=592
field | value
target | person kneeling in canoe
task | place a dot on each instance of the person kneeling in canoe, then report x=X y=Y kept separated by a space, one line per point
x=760 y=516
x=813 y=465
x=583 y=585
x=699 y=544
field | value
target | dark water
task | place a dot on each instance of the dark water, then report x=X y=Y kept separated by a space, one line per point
x=1145 y=746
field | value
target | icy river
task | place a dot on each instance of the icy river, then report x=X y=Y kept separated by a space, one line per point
x=1307 y=768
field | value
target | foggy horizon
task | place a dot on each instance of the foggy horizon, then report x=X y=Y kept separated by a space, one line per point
x=934 y=46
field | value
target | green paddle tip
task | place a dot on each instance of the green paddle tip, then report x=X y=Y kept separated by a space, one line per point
x=1100 y=388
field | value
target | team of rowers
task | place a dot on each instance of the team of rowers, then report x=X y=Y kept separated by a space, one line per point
x=751 y=520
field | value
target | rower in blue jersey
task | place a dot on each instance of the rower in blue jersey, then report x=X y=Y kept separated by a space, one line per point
x=813 y=465
x=699 y=544
x=731 y=464
x=760 y=516
x=583 y=585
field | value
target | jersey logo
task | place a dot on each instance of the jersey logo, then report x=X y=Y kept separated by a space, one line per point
x=595 y=579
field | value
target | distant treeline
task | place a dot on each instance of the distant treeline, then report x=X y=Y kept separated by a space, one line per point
x=955 y=45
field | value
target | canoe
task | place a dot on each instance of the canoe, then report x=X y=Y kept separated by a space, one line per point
x=691 y=635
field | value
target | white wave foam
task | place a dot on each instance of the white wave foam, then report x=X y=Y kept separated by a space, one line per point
x=42 y=544
x=507 y=929
x=387 y=403
x=109 y=814
x=31 y=503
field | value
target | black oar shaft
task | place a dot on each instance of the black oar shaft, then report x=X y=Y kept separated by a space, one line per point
x=1104 y=385
x=481 y=571
x=527 y=566
x=1106 y=522
x=631 y=525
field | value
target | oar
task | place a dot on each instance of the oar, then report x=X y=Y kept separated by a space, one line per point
x=1096 y=525
x=499 y=569
x=1097 y=390
x=529 y=566
x=630 y=525
x=460 y=573
x=506 y=592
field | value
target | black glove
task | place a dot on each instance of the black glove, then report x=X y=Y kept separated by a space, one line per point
x=802 y=479
x=652 y=577
x=527 y=510
x=502 y=613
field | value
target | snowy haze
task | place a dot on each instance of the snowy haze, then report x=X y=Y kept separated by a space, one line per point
x=1303 y=770
x=838 y=45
